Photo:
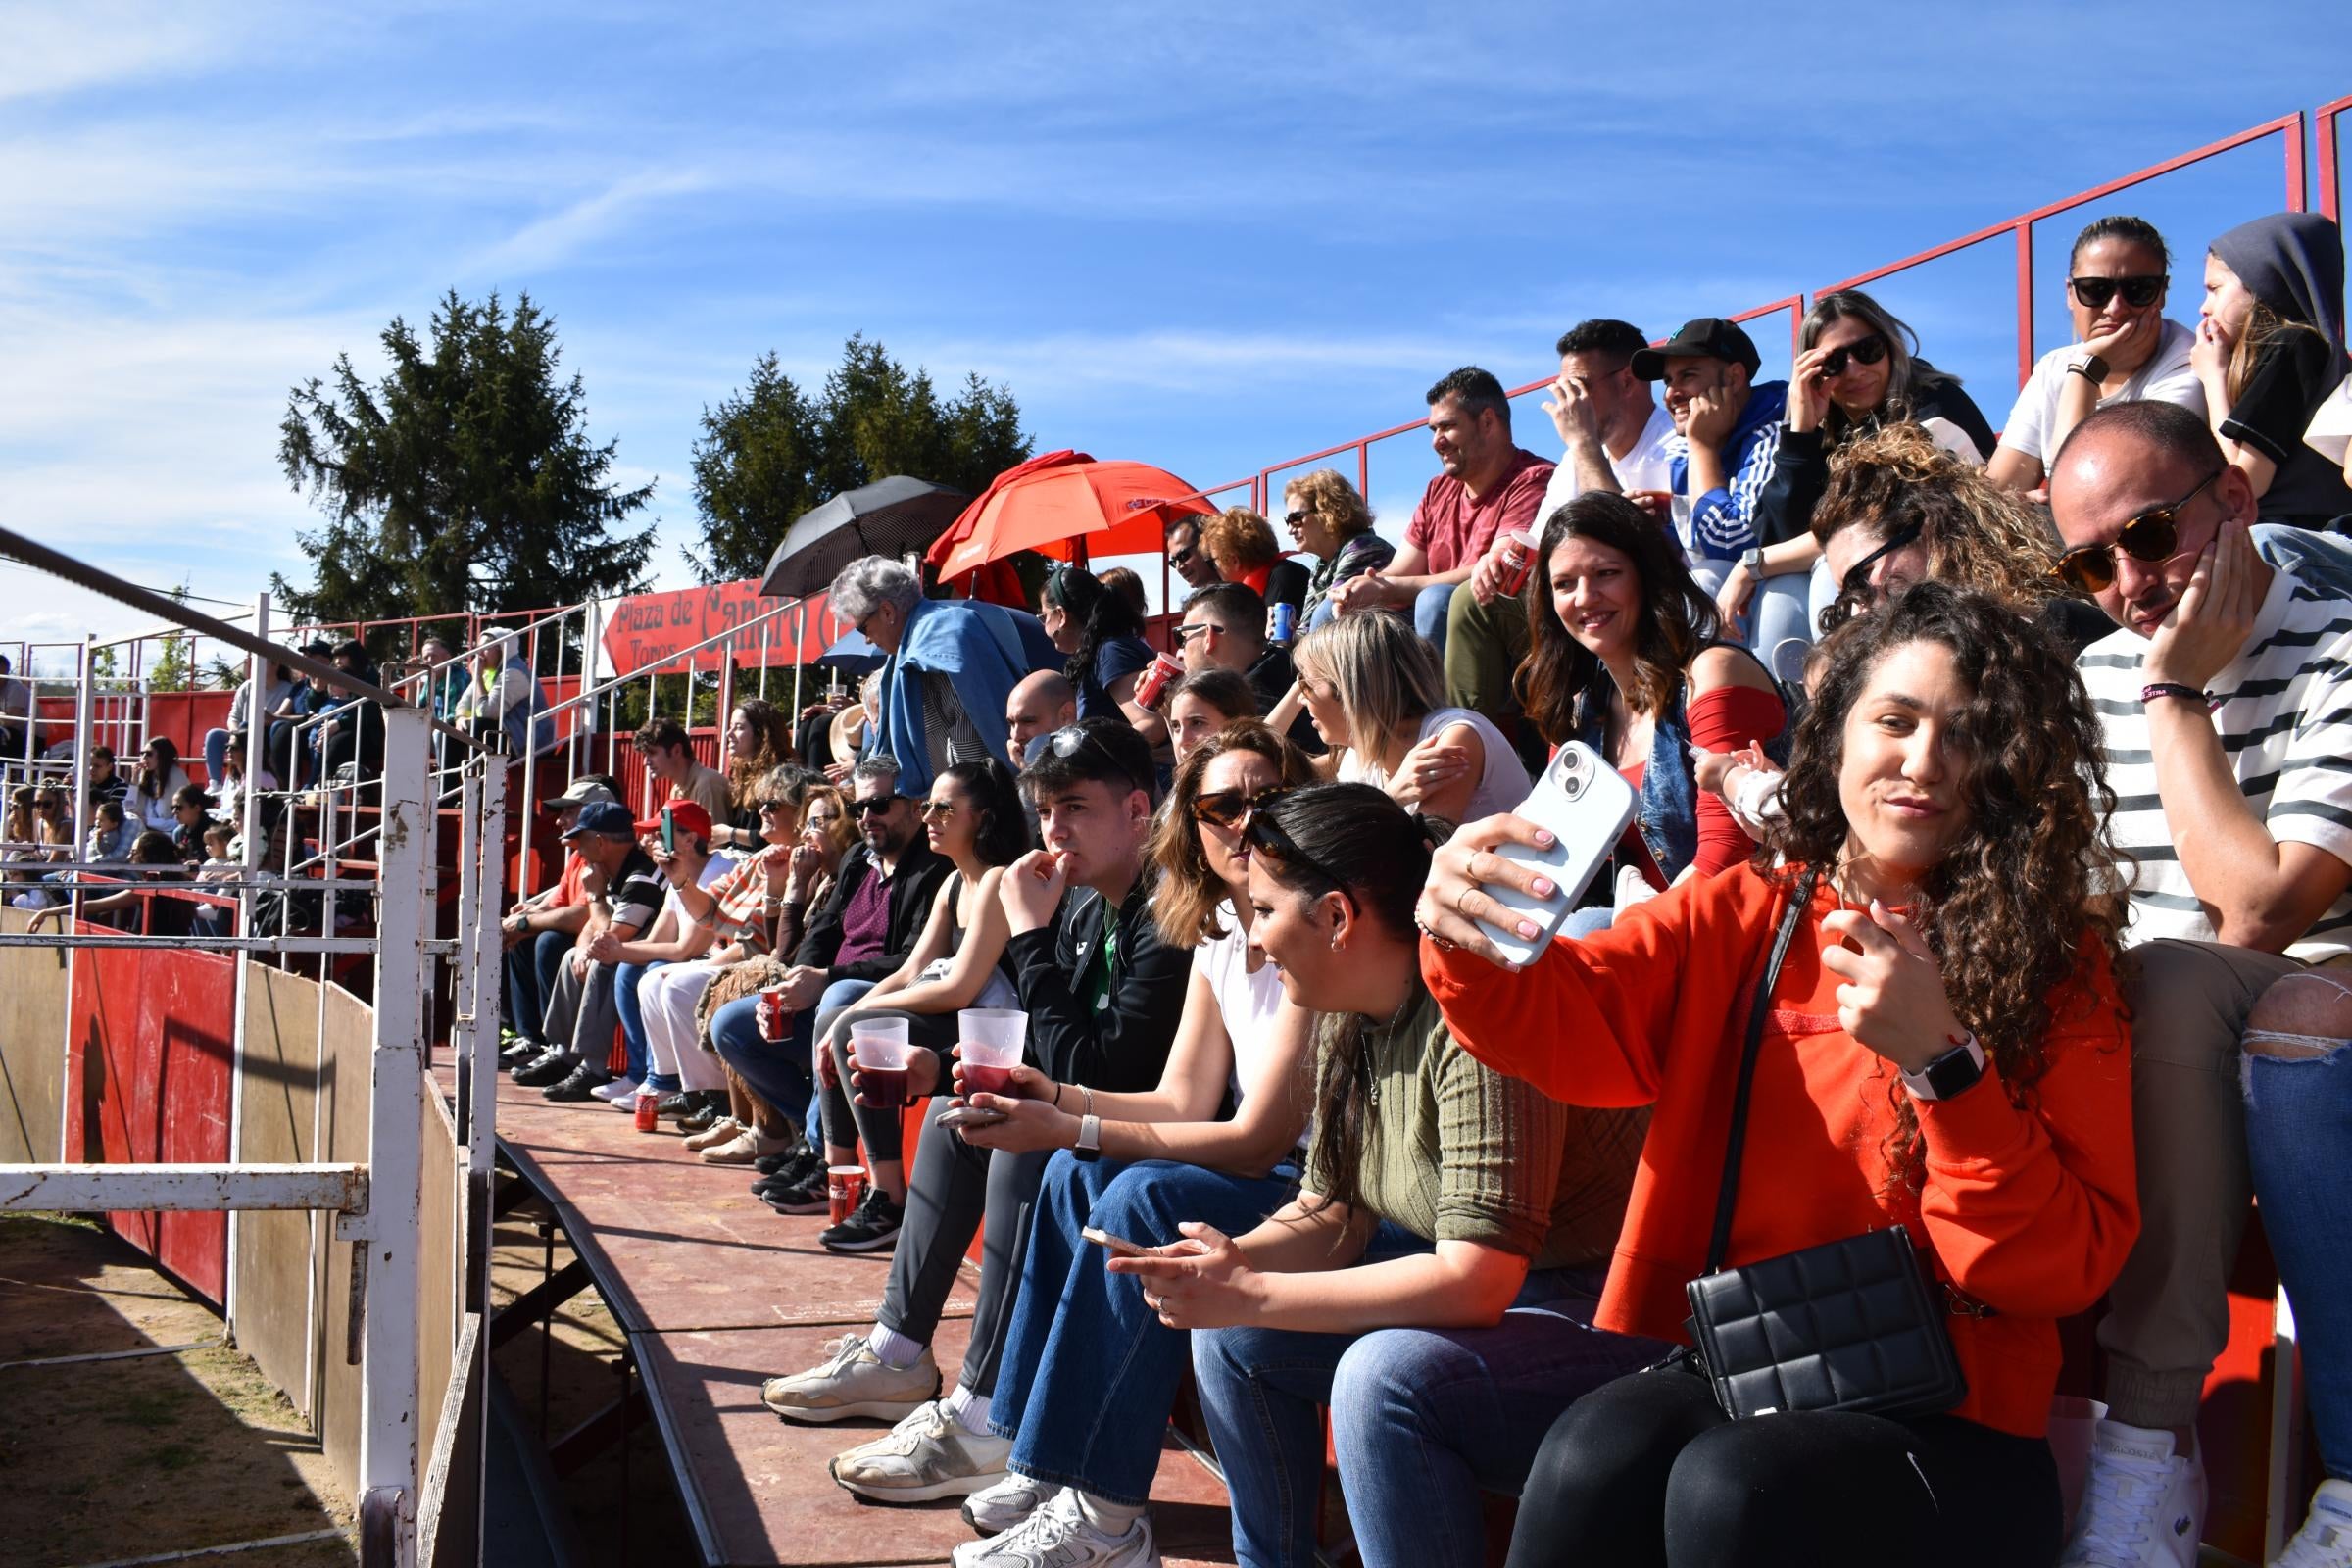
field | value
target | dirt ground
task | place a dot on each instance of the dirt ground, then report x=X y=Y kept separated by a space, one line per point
x=101 y=1460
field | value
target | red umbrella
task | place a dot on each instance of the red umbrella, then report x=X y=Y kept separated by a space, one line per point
x=1067 y=504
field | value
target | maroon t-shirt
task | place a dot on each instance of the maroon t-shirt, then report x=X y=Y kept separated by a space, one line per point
x=866 y=921
x=1453 y=528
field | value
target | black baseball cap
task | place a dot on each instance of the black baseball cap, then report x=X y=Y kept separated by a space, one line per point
x=1708 y=335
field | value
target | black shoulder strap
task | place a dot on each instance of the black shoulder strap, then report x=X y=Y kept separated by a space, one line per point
x=1728 y=1197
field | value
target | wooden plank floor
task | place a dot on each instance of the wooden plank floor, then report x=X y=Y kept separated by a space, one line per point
x=716 y=1291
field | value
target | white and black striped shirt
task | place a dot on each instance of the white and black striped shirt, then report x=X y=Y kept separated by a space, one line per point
x=2284 y=718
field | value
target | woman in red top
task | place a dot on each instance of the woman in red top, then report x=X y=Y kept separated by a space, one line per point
x=1944 y=810
x=1622 y=655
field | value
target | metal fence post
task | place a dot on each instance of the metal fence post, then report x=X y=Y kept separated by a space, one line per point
x=388 y=1233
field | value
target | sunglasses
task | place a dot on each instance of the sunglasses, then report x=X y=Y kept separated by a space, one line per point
x=1856 y=594
x=936 y=811
x=1294 y=518
x=1181 y=559
x=1071 y=739
x=1863 y=351
x=778 y=807
x=2138 y=292
x=1264 y=834
x=2149 y=537
x=882 y=805
x=1199 y=629
x=1230 y=809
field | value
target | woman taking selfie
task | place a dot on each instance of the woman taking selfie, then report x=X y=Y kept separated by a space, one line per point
x=1623 y=657
x=1938 y=1045
x=2124 y=348
x=1434 y=1279
x=1089 y=1372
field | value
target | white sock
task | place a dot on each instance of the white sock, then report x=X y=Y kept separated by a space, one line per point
x=895 y=1350
x=970 y=1410
x=1111 y=1518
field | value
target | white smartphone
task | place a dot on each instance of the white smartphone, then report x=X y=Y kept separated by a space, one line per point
x=1118 y=1246
x=1587 y=806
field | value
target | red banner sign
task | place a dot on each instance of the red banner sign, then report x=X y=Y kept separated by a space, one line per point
x=650 y=633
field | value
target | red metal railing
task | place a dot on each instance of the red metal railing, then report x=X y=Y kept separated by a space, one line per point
x=2322 y=124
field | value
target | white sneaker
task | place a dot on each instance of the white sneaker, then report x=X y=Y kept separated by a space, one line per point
x=853 y=1381
x=1058 y=1536
x=2143 y=1507
x=926 y=1457
x=619 y=1092
x=1007 y=1505
x=2325 y=1538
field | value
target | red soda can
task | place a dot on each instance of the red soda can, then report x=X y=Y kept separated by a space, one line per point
x=773 y=1015
x=844 y=1186
x=649 y=1111
x=1149 y=689
x=1518 y=560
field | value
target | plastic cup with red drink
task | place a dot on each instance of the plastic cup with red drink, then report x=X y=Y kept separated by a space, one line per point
x=845 y=1185
x=1518 y=560
x=1154 y=685
x=990 y=1042
x=879 y=1050
x=774 y=1017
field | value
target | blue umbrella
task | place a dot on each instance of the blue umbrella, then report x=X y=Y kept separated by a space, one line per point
x=854 y=654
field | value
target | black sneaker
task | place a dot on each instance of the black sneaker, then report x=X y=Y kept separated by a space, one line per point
x=519 y=1051
x=551 y=1068
x=770 y=1165
x=791 y=1170
x=872 y=1228
x=580 y=1085
x=710 y=1104
x=801 y=1192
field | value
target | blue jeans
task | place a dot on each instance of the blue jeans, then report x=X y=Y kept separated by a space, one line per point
x=632 y=1026
x=1089 y=1372
x=1429 y=606
x=1422 y=1418
x=2298 y=1144
x=531 y=975
x=780 y=1073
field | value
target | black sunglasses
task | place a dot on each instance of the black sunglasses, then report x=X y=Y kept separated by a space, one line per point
x=1864 y=351
x=2138 y=292
x=1294 y=518
x=1854 y=594
x=2149 y=537
x=1230 y=809
x=1181 y=559
x=880 y=805
x=1266 y=834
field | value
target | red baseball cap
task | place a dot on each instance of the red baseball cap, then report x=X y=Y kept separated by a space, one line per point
x=689 y=816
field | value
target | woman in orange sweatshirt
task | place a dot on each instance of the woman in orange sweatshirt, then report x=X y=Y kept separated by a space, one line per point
x=1946 y=1049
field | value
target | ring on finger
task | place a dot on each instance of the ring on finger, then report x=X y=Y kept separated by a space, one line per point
x=1461 y=903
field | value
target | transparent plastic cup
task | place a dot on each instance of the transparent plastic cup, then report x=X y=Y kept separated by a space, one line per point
x=990 y=1042
x=882 y=1055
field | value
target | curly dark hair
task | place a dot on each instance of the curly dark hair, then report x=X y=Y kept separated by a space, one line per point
x=2016 y=905
x=1677 y=621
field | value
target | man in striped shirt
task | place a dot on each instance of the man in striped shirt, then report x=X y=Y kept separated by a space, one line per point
x=2227 y=697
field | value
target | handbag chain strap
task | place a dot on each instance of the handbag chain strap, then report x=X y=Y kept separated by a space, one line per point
x=1728 y=1197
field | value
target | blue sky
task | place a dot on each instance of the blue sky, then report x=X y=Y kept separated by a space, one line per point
x=1208 y=236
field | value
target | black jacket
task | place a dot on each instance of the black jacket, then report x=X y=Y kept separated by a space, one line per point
x=1801 y=472
x=1123 y=1046
x=911 y=892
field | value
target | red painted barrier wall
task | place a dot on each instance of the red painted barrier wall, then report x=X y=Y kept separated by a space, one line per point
x=153 y=1037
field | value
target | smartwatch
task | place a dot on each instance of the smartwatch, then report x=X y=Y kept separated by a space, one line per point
x=1955 y=1073
x=1752 y=558
x=1090 y=1139
x=2089 y=365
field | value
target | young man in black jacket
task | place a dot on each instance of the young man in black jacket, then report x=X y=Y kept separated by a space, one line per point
x=1102 y=994
x=880 y=900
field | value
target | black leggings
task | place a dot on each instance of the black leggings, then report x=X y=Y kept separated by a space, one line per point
x=1647 y=1472
x=847 y=1123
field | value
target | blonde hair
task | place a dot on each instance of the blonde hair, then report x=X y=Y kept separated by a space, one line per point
x=1238 y=540
x=1976 y=534
x=1384 y=675
x=1327 y=494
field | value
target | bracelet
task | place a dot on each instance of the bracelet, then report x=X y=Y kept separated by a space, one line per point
x=1090 y=1101
x=1057 y=1089
x=2173 y=688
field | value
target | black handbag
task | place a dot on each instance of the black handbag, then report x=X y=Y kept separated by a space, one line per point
x=1855 y=1324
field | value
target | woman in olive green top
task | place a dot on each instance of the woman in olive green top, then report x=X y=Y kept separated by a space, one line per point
x=1435 y=1281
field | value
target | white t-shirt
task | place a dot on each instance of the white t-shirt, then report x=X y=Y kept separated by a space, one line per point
x=2285 y=721
x=1501 y=785
x=2165 y=378
x=1247 y=1002
x=2330 y=431
x=1644 y=466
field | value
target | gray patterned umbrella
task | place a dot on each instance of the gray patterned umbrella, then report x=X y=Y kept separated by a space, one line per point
x=888 y=517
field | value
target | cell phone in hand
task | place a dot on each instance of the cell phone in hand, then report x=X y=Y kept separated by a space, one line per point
x=1587 y=806
x=1116 y=1246
x=958 y=1117
x=669 y=832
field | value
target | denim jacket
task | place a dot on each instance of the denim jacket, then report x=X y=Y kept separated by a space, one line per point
x=1666 y=810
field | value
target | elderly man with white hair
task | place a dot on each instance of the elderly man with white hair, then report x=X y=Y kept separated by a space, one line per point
x=504 y=698
x=951 y=663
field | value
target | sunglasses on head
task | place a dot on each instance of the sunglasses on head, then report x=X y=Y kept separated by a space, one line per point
x=2138 y=292
x=1862 y=351
x=1230 y=809
x=2149 y=537
x=1265 y=835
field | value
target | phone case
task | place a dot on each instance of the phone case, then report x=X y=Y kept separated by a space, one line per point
x=1587 y=805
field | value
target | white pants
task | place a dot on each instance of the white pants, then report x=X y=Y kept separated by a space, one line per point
x=667 y=999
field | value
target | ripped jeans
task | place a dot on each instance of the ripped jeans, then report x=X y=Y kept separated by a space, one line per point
x=2241 y=1087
